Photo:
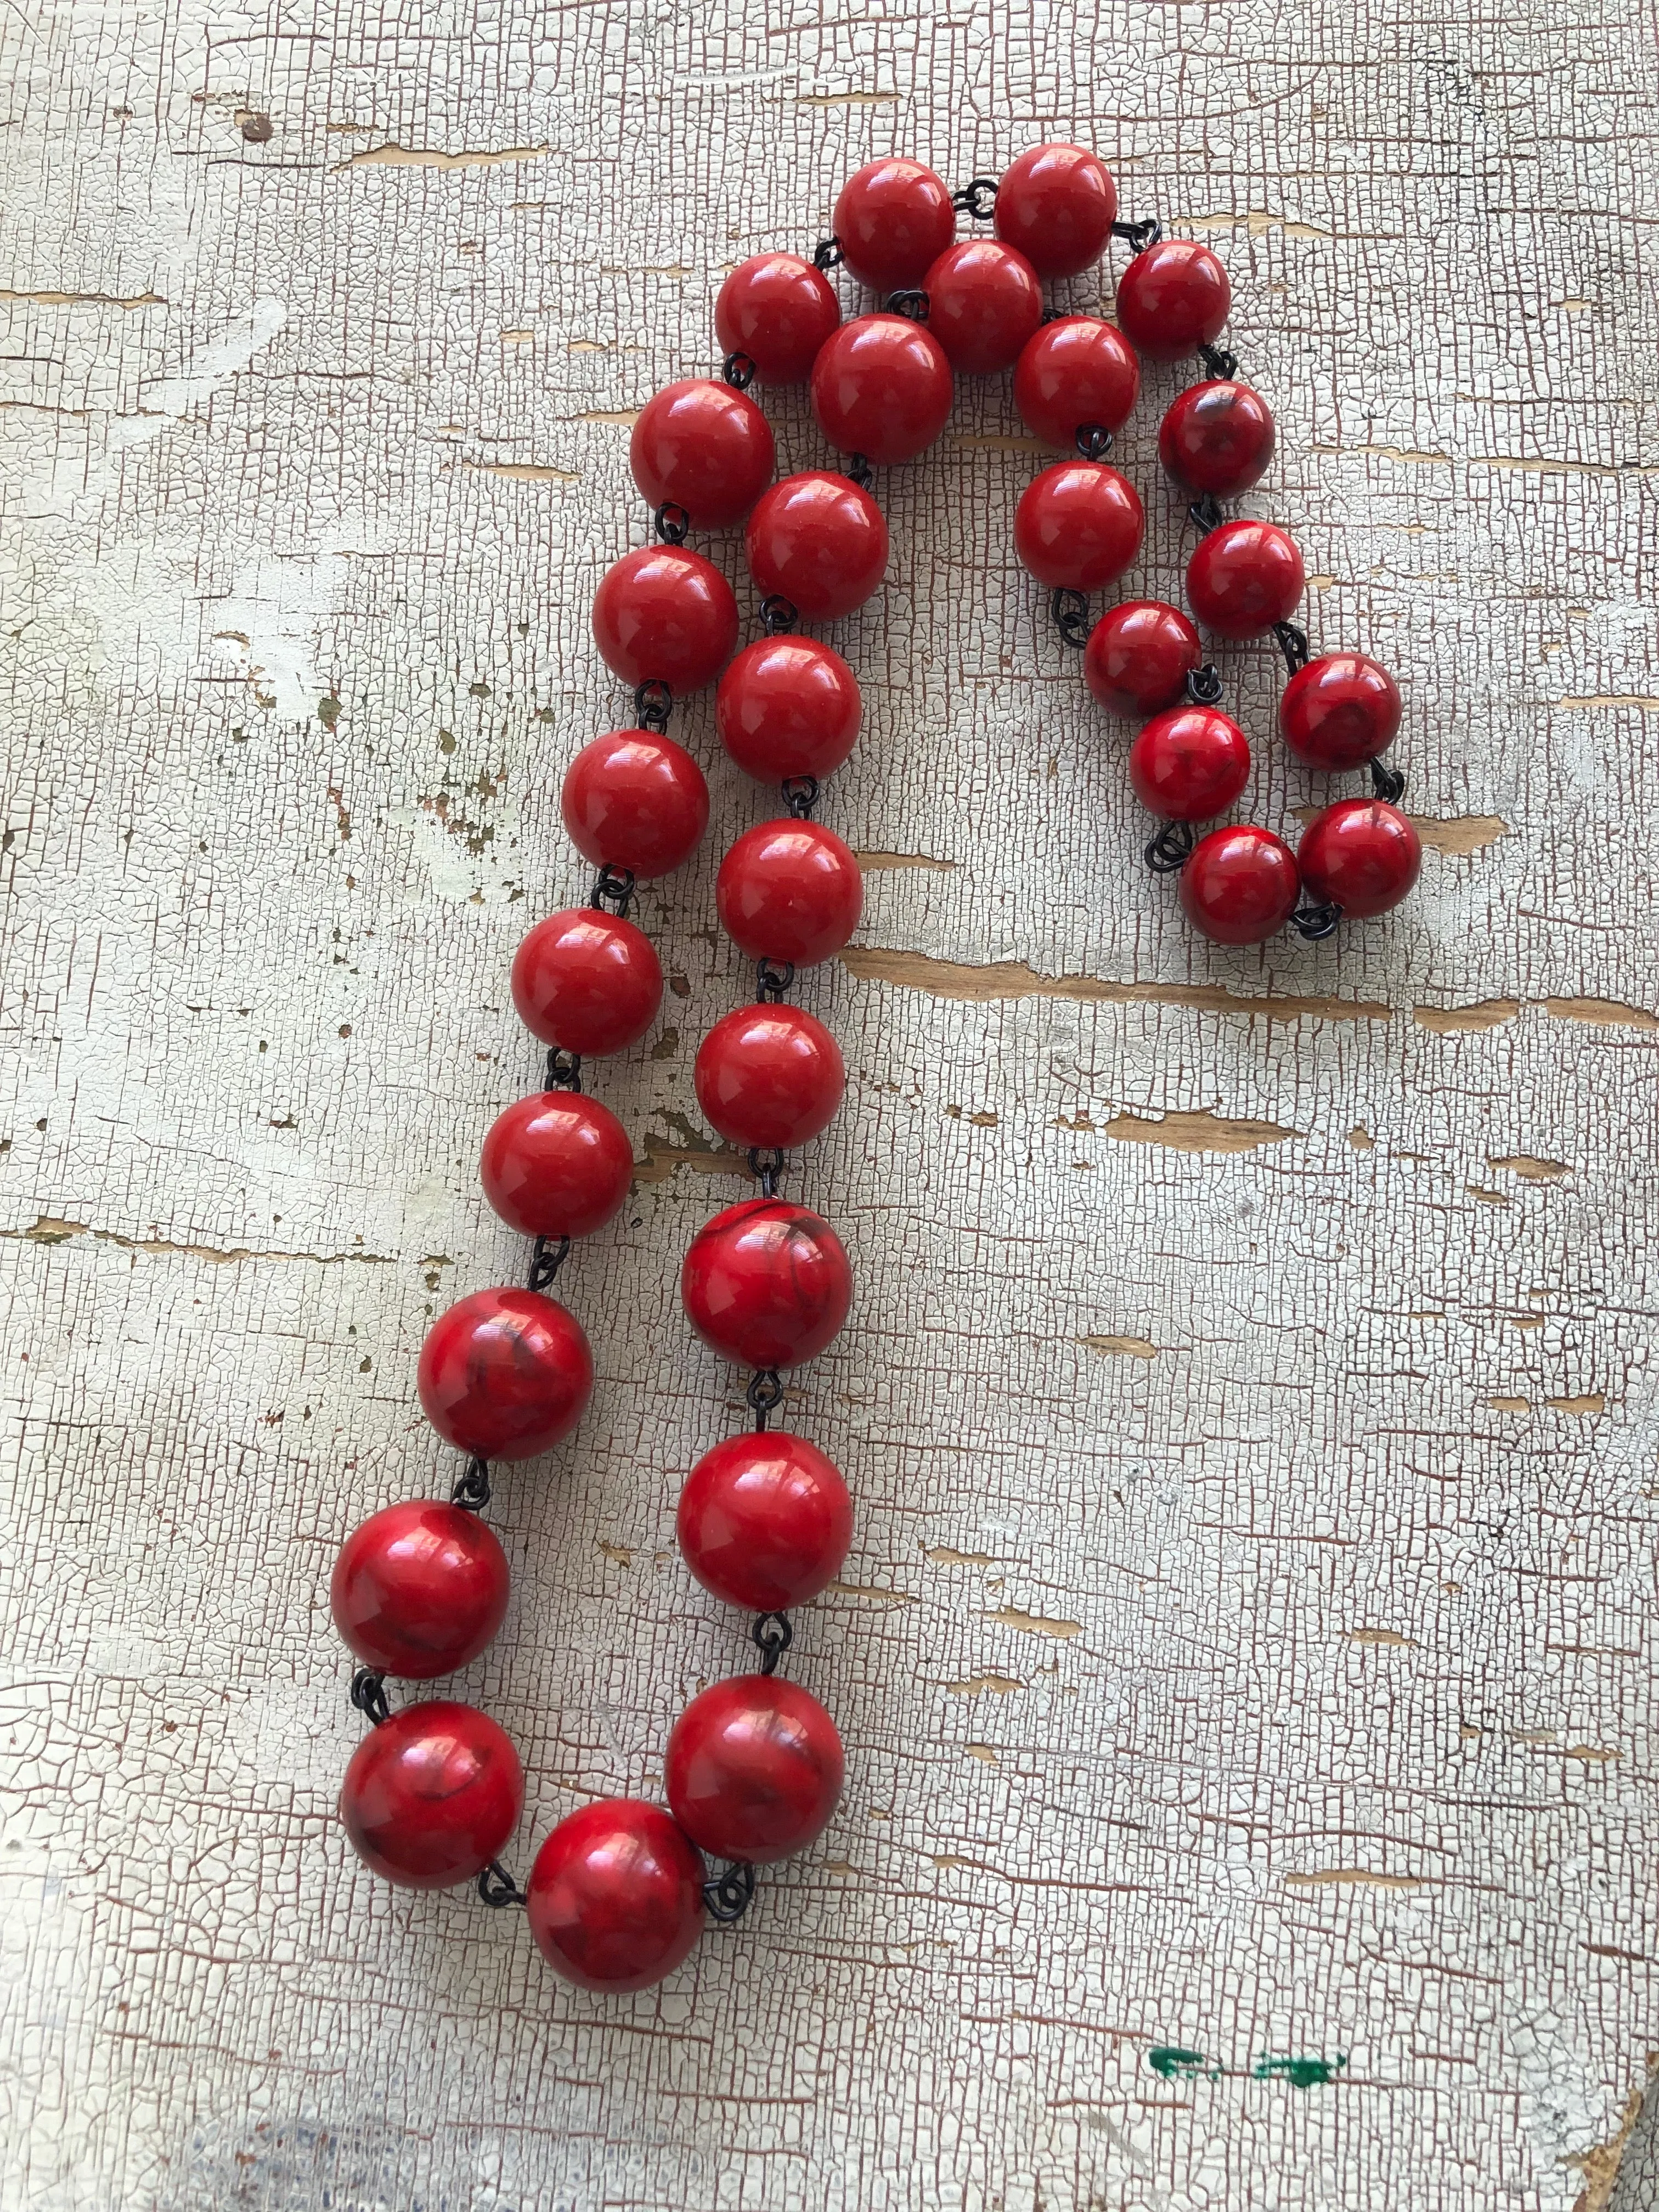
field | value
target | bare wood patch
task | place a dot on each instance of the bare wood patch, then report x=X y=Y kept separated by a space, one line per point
x=1123 y=1347
x=1384 y=1635
x=1352 y=1878
x=1204 y=1132
x=1482 y=1014
x=426 y=157
x=1530 y=1167
x=1005 y=980
x=1035 y=1624
x=877 y=863
x=1608 y=1014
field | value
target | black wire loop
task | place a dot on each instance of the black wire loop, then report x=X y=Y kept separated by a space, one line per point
x=1293 y=644
x=764 y=1394
x=613 y=889
x=730 y=1895
x=766 y=1166
x=652 y=701
x=1313 y=922
x=1388 y=783
x=368 y=1696
x=772 y=979
x=738 y=371
x=1218 y=360
x=1205 y=513
x=977 y=199
x=913 y=306
x=1139 y=235
x=777 y=615
x=1172 y=848
x=827 y=253
x=472 y=1491
x=1071 y=612
x=1056 y=315
x=800 y=795
x=859 y=471
x=496 y=1885
x=673 y=522
x=773 y=1636
x=564 y=1069
x=549 y=1254
x=1204 y=686
x=1094 y=440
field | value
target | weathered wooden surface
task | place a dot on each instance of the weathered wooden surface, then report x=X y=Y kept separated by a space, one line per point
x=1247 y=1648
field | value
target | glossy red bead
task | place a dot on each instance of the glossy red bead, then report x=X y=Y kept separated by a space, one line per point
x=587 y=982
x=779 y=310
x=819 y=542
x=705 y=446
x=664 y=615
x=432 y=1795
x=557 y=1165
x=770 y=1075
x=505 y=1374
x=788 y=706
x=1217 y=438
x=1243 y=577
x=983 y=302
x=893 y=219
x=1075 y=375
x=1139 y=656
x=615 y=1897
x=767 y=1283
x=636 y=800
x=1189 y=764
x=1240 y=885
x=1057 y=204
x=419 y=1589
x=789 y=890
x=1362 y=854
x=754 y=1769
x=765 y=1520
x=882 y=387
x=1173 y=299
x=1339 y=711
x=1078 y=525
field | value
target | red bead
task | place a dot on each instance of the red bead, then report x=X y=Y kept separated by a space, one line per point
x=557 y=1165
x=1217 y=438
x=754 y=1769
x=767 y=1283
x=1362 y=854
x=787 y=706
x=419 y=1589
x=1074 y=375
x=779 y=310
x=1139 y=656
x=704 y=446
x=1057 y=204
x=1173 y=299
x=983 y=302
x=1240 y=885
x=587 y=982
x=615 y=1901
x=1339 y=712
x=666 y=615
x=789 y=890
x=881 y=387
x=893 y=220
x=1078 y=526
x=1243 y=577
x=769 y=1076
x=819 y=542
x=765 y=1521
x=1189 y=764
x=505 y=1374
x=636 y=800
x=432 y=1795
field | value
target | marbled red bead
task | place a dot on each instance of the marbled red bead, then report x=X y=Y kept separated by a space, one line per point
x=615 y=1897
x=1362 y=854
x=703 y=447
x=1075 y=373
x=893 y=219
x=505 y=1374
x=770 y=1075
x=983 y=302
x=1057 y=203
x=1078 y=526
x=765 y=1520
x=1217 y=437
x=1339 y=711
x=789 y=890
x=1240 y=885
x=778 y=309
x=636 y=800
x=1172 y=299
x=664 y=615
x=557 y=1165
x=1243 y=577
x=755 y=1769
x=767 y=1283
x=1189 y=764
x=882 y=387
x=818 y=541
x=587 y=982
x=419 y=1589
x=432 y=1795
x=787 y=706
x=1139 y=656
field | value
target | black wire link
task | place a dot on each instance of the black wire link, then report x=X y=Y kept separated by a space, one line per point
x=730 y=1895
x=564 y=1069
x=977 y=199
x=913 y=306
x=772 y=979
x=859 y=471
x=472 y=1491
x=549 y=1254
x=827 y=253
x=1313 y=922
x=613 y=889
x=652 y=701
x=800 y=795
x=673 y=522
x=1094 y=440
x=496 y=1885
x=738 y=371
x=1056 y=315
x=1293 y=644
x=1071 y=612
x=765 y=1395
x=1218 y=360
x=773 y=1636
x=1388 y=783
x=368 y=1696
x=1139 y=235
x=1204 y=686
x=1204 y=515
x=766 y=1166
x=778 y=616
x=1172 y=848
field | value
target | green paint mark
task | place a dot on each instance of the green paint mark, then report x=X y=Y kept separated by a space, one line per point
x=1175 y=2065
x=1300 y=2073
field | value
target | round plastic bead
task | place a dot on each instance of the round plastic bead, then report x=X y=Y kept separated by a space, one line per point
x=1243 y=577
x=664 y=614
x=769 y=1076
x=615 y=1899
x=557 y=1165
x=754 y=1769
x=1173 y=299
x=1075 y=375
x=1078 y=526
x=587 y=982
x=504 y=1374
x=1217 y=438
x=893 y=220
x=983 y=302
x=1362 y=854
x=432 y=1795
x=789 y=707
x=1341 y=711
x=767 y=1283
x=704 y=446
x=1240 y=885
x=1189 y=764
x=789 y=890
x=778 y=309
x=818 y=541
x=1139 y=656
x=765 y=1520
x=419 y=1589
x=636 y=800
x=1057 y=204
x=882 y=387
